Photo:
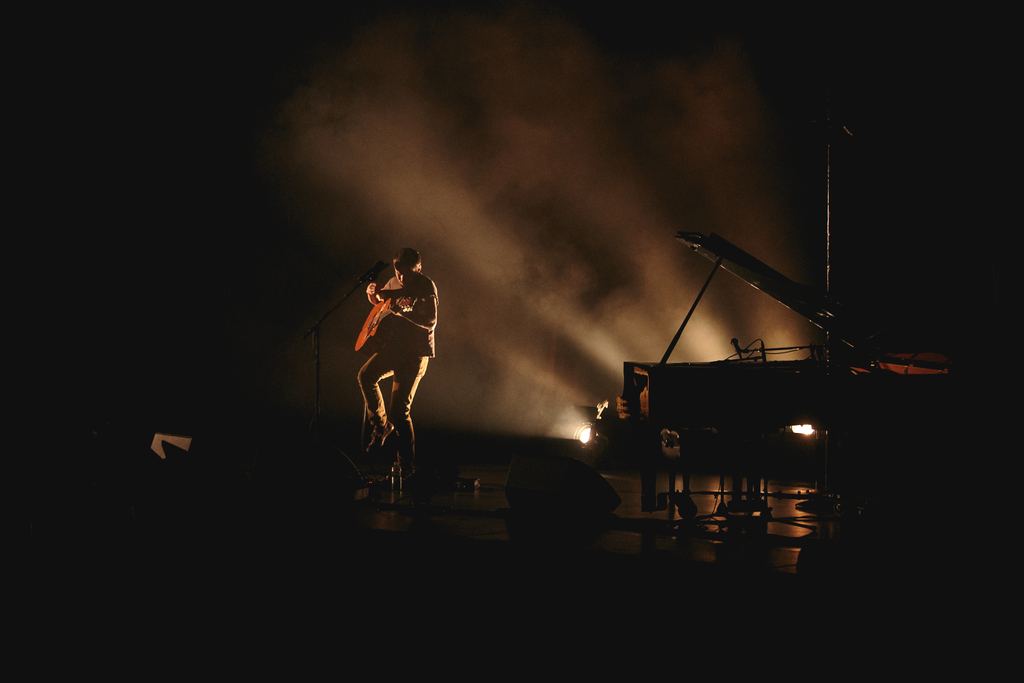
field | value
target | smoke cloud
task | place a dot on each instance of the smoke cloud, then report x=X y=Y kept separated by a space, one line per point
x=543 y=179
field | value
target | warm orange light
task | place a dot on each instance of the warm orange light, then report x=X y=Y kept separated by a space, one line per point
x=802 y=429
x=584 y=433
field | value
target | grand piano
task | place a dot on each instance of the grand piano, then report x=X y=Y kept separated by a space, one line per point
x=873 y=401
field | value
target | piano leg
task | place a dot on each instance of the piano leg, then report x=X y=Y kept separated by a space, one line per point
x=649 y=441
x=653 y=455
x=745 y=456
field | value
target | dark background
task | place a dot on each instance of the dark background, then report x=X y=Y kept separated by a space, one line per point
x=202 y=188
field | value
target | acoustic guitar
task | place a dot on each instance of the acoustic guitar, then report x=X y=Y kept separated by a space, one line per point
x=369 y=333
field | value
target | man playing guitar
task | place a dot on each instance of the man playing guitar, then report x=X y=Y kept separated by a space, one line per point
x=403 y=344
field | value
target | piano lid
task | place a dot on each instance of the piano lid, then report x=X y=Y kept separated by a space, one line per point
x=800 y=298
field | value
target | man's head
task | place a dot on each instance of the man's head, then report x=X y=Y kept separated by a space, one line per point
x=406 y=261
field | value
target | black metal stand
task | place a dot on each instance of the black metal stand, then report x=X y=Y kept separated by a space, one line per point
x=314 y=332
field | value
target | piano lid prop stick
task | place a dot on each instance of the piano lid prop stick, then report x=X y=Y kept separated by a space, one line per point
x=675 y=340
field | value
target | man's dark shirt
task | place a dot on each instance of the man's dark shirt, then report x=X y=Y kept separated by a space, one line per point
x=408 y=339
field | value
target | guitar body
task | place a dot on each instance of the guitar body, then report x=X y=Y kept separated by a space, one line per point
x=371 y=327
x=375 y=334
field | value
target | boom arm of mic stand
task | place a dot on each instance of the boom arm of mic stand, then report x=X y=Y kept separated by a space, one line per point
x=316 y=326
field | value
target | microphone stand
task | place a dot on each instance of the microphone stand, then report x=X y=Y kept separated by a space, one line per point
x=314 y=331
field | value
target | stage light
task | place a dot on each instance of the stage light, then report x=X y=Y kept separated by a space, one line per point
x=802 y=429
x=591 y=434
x=587 y=431
x=584 y=433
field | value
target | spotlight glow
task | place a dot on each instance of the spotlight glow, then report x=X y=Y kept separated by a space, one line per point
x=584 y=433
x=802 y=429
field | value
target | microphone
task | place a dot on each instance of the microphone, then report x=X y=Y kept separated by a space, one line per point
x=373 y=272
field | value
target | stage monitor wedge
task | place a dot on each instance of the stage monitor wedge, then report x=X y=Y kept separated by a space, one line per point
x=557 y=484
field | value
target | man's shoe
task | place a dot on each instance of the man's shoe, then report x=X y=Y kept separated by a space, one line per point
x=380 y=433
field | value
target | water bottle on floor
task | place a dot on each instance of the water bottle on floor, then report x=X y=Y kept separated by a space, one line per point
x=396 y=476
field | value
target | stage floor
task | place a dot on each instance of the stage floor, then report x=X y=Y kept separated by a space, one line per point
x=756 y=541
x=298 y=528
